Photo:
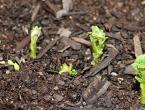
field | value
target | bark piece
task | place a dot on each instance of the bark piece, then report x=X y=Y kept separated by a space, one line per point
x=95 y=89
x=35 y=11
x=137 y=46
x=82 y=41
x=20 y=45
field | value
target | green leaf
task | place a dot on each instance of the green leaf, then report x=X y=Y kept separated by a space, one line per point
x=10 y=62
x=65 y=68
x=139 y=63
x=139 y=66
x=16 y=67
x=14 y=64
x=68 y=69
x=73 y=73
x=97 y=37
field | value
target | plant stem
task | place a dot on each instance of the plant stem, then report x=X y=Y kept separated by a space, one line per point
x=142 y=98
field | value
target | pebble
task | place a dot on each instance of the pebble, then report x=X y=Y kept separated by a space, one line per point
x=40 y=73
x=84 y=103
x=34 y=92
x=7 y=71
x=56 y=88
x=1 y=58
x=88 y=52
x=34 y=103
x=58 y=97
x=2 y=62
x=113 y=73
x=120 y=80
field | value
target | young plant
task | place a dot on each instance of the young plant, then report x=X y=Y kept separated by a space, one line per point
x=97 y=37
x=14 y=64
x=139 y=66
x=35 y=33
x=68 y=69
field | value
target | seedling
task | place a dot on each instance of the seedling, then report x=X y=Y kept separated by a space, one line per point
x=97 y=37
x=68 y=69
x=139 y=66
x=35 y=33
x=14 y=64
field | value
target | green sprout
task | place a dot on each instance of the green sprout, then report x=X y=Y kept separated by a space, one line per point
x=139 y=66
x=68 y=69
x=97 y=37
x=35 y=33
x=14 y=64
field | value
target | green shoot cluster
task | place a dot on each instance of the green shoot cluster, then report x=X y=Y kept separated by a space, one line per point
x=68 y=69
x=97 y=37
x=139 y=66
x=35 y=33
x=14 y=64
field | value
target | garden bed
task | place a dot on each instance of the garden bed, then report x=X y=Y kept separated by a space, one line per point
x=39 y=86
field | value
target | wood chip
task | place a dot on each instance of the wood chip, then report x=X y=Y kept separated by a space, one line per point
x=137 y=46
x=67 y=6
x=129 y=27
x=23 y=43
x=116 y=36
x=64 y=32
x=74 y=45
x=95 y=89
x=113 y=52
x=82 y=27
x=70 y=43
x=35 y=11
x=51 y=6
x=82 y=41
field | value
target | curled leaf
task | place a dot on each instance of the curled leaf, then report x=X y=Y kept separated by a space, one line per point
x=97 y=37
x=35 y=33
x=68 y=69
x=14 y=64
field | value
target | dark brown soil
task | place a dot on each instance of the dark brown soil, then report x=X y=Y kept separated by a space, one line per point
x=38 y=86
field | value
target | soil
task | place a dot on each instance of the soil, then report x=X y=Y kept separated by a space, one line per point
x=38 y=86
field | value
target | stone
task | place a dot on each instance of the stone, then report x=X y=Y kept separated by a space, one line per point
x=58 y=97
